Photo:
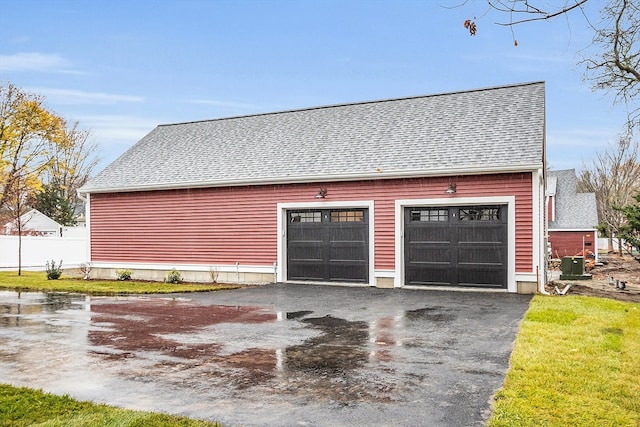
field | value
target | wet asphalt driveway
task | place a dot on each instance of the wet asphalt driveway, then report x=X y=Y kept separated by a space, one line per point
x=279 y=355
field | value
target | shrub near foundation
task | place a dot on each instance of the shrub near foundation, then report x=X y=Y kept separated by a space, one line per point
x=123 y=274
x=173 y=276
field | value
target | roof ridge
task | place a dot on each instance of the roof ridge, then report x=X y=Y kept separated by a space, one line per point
x=403 y=137
x=347 y=104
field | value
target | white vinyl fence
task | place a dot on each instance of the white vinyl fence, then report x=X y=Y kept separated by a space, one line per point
x=36 y=251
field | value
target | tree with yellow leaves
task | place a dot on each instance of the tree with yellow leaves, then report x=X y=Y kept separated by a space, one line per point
x=29 y=134
x=36 y=149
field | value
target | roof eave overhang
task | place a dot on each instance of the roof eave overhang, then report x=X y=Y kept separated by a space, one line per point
x=480 y=170
x=574 y=228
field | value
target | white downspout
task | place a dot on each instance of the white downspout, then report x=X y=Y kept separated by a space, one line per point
x=542 y=218
x=87 y=219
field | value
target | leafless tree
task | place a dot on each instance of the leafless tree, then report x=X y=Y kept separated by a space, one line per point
x=519 y=12
x=74 y=162
x=615 y=65
x=611 y=62
x=614 y=176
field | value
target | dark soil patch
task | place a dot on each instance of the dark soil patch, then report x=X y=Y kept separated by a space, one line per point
x=615 y=268
x=625 y=295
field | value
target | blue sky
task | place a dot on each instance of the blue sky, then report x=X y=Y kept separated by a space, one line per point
x=121 y=67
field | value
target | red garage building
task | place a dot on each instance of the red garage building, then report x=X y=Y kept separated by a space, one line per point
x=572 y=216
x=439 y=191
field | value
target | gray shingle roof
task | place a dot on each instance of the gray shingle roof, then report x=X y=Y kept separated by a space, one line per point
x=574 y=211
x=493 y=129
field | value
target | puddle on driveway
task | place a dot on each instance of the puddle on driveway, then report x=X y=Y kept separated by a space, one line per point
x=237 y=347
x=250 y=363
x=203 y=346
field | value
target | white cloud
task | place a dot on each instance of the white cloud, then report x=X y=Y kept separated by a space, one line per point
x=225 y=104
x=585 y=138
x=68 y=96
x=573 y=148
x=33 y=61
x=116 y=129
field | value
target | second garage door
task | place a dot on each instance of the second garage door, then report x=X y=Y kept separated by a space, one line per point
x=328 y=245
x=456 y=246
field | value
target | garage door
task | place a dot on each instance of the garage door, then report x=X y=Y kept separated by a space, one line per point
x=456 y=246
x=328 y=245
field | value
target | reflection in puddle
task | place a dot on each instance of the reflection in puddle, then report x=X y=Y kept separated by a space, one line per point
x=153 y=319
x=23 y=308
x=433 y=314
x=327 y=366
x=342 y=346
x=203 y=346
x=239 y=346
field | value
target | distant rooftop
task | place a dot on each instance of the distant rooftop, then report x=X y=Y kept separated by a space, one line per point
x=573 y=210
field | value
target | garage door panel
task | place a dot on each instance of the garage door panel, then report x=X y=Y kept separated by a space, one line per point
x=352 y=255
x=306 y=270
x=480 y=234
x=429 y=274
x=437 y=254
x=481 y=254
x=346 y=230
x=301 y=251
x=337 y=241
x=456 y=246
x=484 y=276
x=439 y=234
x=346 y=271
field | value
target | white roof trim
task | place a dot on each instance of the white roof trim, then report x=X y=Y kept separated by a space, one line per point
x=480 y=170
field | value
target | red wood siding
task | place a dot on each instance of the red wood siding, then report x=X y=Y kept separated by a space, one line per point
x=569 y=243
x=238 y=224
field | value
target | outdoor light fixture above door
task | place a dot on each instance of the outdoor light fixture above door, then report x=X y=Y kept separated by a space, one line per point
x=321 y=194
x=451 y=189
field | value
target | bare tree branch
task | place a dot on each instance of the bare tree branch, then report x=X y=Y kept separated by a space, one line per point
x=616 y=67
x=614 y=177
x=530 y=9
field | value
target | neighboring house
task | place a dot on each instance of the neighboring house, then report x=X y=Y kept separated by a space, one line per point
x=430 y=191
x=78 y=215
x=34 y=223
x=572 y=216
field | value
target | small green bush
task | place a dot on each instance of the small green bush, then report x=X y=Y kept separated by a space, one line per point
x=54 y=272
x=123 y=273
x=173 y=276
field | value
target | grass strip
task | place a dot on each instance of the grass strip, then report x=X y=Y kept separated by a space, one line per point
x=37 y=281
x=576 y=362
x=20 y=406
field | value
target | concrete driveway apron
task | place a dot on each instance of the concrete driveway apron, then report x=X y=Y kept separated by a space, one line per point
x=279 y=355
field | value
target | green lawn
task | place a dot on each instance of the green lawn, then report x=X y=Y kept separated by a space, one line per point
x=37 y=281
x=576 y=362
x=26 y=407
